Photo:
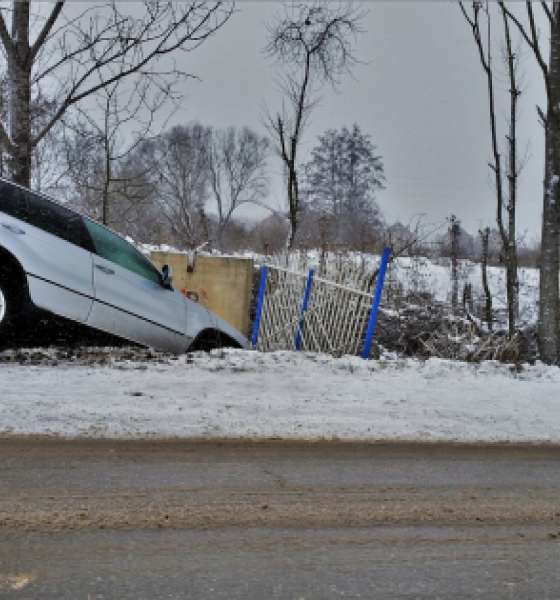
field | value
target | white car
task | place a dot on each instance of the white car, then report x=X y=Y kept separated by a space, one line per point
x=56 y=260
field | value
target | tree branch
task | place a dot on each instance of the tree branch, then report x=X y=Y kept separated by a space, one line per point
x=547 y=11
x=531 y=40
x=6 y=38
x=126 y=49
x=47 y=28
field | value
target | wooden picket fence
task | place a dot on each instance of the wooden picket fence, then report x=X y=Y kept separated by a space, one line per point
x=343 y=268
x=306 y=311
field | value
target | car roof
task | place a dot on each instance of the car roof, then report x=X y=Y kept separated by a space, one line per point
x=65 y=206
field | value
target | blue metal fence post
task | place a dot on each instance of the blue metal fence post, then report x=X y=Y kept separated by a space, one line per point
x=260 y=303
x=304 y=304
x=376 y=302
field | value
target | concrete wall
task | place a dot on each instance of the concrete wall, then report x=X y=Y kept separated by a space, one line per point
x=222 y=284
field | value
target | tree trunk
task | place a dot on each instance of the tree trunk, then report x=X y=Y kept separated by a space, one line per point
x=510 y=247
x=512 y=284
x=19 y=76
x=484 y=268
x=294 y=205
x=549 y=306
x=454 y=232
x=105 y=204
x=106 y=186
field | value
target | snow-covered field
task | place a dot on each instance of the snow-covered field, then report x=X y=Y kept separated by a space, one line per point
x=421 y=275
x=296 y=396
x=414 y=275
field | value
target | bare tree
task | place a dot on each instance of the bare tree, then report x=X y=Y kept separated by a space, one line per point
x=269 y=235
x=180 y=179
x=507 y=231
x=237 y=169
x=313 y=42
x=512 y=280
x=123 y=117
x=549 y=302
x=78 y=51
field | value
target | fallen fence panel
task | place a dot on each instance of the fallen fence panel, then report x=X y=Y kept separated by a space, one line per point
x=299 y=311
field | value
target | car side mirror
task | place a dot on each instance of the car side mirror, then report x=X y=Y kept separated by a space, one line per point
x=167 y=276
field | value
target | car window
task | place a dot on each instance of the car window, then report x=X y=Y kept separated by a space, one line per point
x=112 y=247
x=44 y=214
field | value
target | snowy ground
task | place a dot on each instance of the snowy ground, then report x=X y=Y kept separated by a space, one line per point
x=421 y=275
x=415 y=275
x=131 y=394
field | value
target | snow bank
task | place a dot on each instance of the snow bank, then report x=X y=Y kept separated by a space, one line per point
x=297 y=396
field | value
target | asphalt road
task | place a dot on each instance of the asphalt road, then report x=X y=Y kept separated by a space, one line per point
x=151 y=520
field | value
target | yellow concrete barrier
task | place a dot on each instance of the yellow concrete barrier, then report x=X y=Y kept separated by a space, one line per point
x=221 y=284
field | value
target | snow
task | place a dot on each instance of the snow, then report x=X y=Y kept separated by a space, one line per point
x=244 y=394
x=420 y=274
x=416 y=274
x=432 y=277
x=147 y=249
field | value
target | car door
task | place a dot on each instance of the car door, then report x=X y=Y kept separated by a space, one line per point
x=130 y=300
x=54 y=247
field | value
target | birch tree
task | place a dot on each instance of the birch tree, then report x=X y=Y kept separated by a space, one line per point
x=78 y=50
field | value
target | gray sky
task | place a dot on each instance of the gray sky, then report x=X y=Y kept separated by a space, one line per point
x=421 y=95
